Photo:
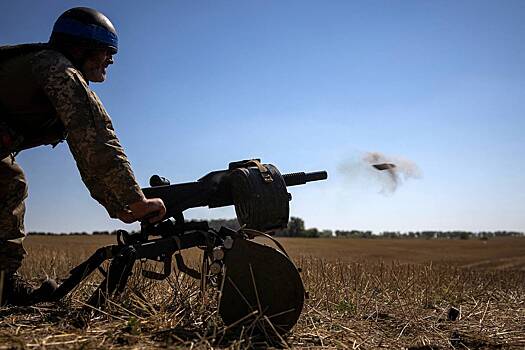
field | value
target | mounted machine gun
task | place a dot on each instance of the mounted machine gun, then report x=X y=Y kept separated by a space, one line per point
x=255 y=279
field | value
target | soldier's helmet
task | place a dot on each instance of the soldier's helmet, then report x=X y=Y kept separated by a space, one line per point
x=84 y=27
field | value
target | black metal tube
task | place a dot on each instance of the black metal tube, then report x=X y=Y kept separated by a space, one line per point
x=301 y=178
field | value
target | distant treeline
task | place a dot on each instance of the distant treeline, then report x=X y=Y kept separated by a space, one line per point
x=428 y=234
x=296 y=228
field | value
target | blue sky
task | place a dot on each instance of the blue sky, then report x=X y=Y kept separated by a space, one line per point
x=307 y=85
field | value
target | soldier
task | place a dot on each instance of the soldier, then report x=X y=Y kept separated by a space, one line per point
x=45 y=99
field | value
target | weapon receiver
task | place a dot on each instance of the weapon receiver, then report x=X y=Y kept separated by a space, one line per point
x=257 y=190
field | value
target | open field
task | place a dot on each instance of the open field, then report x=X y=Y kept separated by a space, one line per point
x=375 y=293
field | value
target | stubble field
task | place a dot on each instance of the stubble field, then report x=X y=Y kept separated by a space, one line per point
x=363 y=294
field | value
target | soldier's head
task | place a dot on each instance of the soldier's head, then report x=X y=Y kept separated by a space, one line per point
x=88 y=38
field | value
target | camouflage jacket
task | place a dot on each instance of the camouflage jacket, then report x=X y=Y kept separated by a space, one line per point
x=100 y=158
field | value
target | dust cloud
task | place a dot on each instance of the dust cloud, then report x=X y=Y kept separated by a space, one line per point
x=388 y=172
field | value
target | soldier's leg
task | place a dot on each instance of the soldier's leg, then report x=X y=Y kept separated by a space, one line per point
x=13 y=192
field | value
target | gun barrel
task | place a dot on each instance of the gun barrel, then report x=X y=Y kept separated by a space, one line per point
x=294 y=179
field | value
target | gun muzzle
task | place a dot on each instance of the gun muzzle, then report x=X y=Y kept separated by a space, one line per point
x=294 y=179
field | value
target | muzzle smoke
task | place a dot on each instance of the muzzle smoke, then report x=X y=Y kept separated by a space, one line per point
x=389 y=172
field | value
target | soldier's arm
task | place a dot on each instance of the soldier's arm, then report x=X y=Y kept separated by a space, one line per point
x=100 y=158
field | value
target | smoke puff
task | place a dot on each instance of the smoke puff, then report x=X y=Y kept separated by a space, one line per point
x=389 y=179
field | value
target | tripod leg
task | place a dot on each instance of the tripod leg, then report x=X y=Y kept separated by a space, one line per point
x=114 y=283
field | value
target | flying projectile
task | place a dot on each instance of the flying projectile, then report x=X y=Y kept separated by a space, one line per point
x=384 y=166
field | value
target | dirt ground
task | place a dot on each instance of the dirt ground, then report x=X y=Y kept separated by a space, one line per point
x=363 y=294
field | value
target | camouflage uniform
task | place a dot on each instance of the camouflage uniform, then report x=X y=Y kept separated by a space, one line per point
x=87 y=128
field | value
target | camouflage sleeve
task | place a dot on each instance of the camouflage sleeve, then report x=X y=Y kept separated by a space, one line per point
x=101 y=160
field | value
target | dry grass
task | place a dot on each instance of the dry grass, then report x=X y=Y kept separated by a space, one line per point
x=364 y=294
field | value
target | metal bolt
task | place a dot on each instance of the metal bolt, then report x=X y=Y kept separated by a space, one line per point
x=228 y=242
x=215 y=268
x=218 y=253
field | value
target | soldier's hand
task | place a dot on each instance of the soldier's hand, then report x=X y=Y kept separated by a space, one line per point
x=151 y=209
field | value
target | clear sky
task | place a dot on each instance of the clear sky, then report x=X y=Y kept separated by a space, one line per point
x=307 y=85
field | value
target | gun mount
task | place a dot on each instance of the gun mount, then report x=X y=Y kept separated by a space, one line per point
x=255 y=280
